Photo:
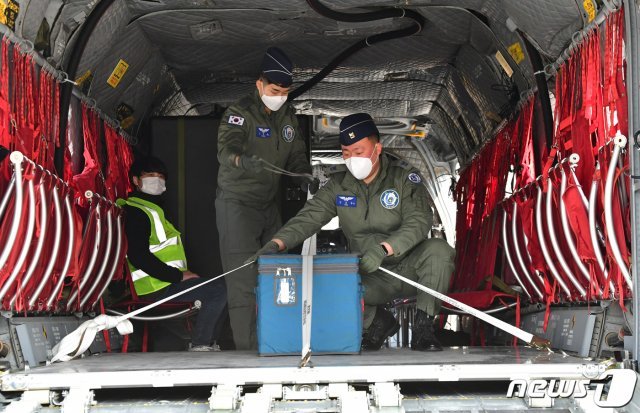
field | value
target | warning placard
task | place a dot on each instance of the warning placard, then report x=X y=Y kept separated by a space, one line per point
x=118 y=73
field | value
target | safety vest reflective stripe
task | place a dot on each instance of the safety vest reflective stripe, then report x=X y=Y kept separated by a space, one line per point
x=139 y=274
x=157 y=223
x=163 y=245
x=177 y=264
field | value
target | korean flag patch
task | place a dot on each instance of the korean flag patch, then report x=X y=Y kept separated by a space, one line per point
x=415 y=178
x=236 y=120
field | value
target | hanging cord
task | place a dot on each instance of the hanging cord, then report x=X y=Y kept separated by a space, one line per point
x=277 y=170
x=415 y=28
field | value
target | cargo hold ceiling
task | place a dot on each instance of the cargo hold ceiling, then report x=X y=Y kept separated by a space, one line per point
x=196 y=57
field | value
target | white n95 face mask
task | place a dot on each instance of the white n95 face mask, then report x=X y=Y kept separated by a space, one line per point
x=153 y=185
x=273 y=102
x=360 y=167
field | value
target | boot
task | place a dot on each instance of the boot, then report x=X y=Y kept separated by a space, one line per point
x=384 y=325
x=422 y=335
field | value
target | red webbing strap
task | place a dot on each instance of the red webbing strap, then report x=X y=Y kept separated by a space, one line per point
x=621 y=102
x=121 y=264
x=480 y=188
x=463 y=227
x=525 y=171
x=551 y=298
x=527 y=222
x=125 y=344
x=578 y=218
x=113 y=164
x=564 y=250
x=24 y=107
x=105 y=332
x=87 y=246
x=126 y=159
x=6 y=139
x=547 y=166
x=45 y=145
x=614 y=85
x=588 y=112
x=91 y=178
x=481 y=332
x=119 y=158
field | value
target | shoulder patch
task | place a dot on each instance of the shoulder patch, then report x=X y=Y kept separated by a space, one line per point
x=402 y=164
x=288 y=133
x=334 y=169
x=414 y=177
x=235 y=120
x=390 y=199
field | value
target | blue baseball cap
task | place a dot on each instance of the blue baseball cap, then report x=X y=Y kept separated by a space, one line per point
x=356 y=127
x=277 y=67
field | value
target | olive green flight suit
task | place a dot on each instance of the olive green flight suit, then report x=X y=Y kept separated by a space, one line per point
x=246 y=212
x=392 y=208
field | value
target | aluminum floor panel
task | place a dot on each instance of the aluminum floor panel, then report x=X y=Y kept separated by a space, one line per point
x=241 y=368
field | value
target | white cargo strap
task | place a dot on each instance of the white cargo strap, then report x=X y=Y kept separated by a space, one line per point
x=79 y=340
x=507 y=328
x=308 y=251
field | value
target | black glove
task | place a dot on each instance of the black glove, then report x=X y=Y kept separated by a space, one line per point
x=372 y=259
x=270 y=247
x=308 y=183
x=250 y=163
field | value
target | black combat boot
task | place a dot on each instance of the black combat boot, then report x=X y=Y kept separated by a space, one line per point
x=422 y=335
x=384 y=325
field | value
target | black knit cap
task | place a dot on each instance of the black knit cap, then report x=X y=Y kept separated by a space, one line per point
x=356 y=127
x=277 y=67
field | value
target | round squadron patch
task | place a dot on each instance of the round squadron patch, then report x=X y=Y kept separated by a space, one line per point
x=390 y=199
x=415 y=178
x=288 y=133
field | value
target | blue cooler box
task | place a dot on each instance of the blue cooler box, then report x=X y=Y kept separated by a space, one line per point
x=336 y=315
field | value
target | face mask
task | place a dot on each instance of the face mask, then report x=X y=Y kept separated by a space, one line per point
x=360 y=167
x=153 y=185
x=273 y=102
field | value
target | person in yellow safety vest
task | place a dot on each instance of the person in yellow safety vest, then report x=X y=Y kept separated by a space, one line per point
x=156 y=256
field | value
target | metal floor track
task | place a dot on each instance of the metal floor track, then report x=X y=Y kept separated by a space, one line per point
x=246 y=368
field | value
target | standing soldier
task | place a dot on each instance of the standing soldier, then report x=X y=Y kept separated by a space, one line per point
x=384 y=213
x=259 y=127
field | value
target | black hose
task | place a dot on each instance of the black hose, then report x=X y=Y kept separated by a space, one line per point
x=545 y=102
x=66 y=88
x=324 y=11
x=365 y=17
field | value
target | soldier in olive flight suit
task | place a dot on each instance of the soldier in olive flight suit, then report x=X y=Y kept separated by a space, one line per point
x=384 y=213
x=261 y=126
